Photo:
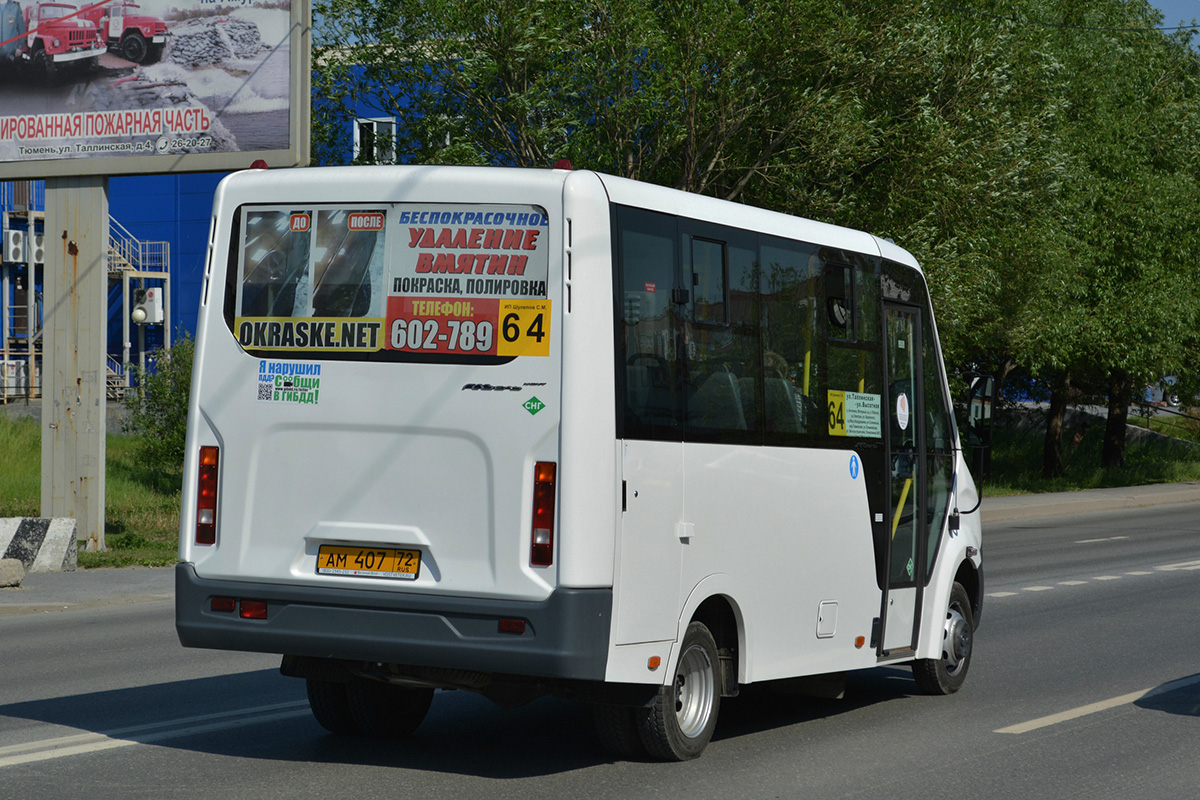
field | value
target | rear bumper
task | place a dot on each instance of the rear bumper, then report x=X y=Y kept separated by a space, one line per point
x=566 y=635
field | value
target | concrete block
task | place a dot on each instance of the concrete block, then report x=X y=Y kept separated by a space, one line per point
x=41 y=545
x=12 y=572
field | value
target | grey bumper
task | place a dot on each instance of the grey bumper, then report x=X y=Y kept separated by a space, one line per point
x=566 y=635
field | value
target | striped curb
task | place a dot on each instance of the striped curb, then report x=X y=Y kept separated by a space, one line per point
x=40 y=544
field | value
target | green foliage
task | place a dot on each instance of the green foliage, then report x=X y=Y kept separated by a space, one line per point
x=158 y=412
x=1040 y=161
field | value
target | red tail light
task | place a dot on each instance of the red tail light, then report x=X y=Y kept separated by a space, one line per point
x=206 y=497
x=542 y=551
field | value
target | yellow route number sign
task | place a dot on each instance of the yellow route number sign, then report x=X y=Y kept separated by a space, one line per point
x=524 y=328
x=837 y=413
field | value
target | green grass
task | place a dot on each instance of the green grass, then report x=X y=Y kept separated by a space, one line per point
x=1017 y=463
x=141 y=510
x=1171 y=425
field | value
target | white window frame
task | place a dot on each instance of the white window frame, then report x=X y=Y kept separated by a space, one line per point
x=385 y=145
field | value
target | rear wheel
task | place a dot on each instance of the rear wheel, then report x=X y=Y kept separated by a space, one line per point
x=680 y=722
x=384 y=710
x=331 y=707
x=945 y=675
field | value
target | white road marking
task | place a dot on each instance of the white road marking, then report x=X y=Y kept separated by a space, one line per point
x=1108 y=539
x=81 y=743
x=1181 y=566
x=1093 y=708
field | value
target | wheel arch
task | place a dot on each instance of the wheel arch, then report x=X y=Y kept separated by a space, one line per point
x=971 y=579
x=713 y=603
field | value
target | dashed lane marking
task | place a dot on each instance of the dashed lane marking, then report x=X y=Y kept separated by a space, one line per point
x=1181 y=566
x=1093 y=708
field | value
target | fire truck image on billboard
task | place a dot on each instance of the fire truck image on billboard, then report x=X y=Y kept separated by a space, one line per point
x=113 y=82
x=57 y=36
x=129 y=31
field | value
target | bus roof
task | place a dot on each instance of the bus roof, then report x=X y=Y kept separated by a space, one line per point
x=400 y=183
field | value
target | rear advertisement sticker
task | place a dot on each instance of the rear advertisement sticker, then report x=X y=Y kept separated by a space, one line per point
x=454 y=279
x=289 y=382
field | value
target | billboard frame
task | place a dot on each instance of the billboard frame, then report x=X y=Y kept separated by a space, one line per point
x=299 y=129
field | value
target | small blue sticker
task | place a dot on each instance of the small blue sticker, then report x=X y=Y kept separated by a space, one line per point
x=853 y=467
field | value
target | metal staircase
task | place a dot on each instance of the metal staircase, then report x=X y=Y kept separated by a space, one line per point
x=130 y=261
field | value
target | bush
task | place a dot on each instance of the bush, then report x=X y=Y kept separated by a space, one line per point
x=158 y=412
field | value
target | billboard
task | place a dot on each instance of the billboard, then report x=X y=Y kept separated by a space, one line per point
x=116 y=87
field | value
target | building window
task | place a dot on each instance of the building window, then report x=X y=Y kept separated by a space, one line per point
x=375 y=140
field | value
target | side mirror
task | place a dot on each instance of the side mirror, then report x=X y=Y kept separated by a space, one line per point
x=981 y=391
x=980 y=394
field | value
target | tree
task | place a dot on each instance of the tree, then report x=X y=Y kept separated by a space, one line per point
x=158 y=412
x=1041 y=163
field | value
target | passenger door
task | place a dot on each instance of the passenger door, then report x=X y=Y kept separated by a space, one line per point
x=905 y=550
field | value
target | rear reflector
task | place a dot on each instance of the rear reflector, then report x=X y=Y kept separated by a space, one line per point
x=226 y=604
x=542 y=549
x=206 y=497
x=512 y=626
x=253 y=609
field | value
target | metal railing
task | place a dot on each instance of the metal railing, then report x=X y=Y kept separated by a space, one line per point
x=128 y=253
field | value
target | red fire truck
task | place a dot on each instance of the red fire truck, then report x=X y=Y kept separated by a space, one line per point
x=129 y=32
x=57 y=36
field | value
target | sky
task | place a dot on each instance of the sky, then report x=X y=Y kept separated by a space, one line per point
x=1176 y=11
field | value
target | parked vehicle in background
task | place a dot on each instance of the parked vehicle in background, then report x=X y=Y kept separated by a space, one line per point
x=134 y=35
x=57 y=36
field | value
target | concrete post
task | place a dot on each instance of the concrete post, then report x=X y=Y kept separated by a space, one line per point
x=75 y=292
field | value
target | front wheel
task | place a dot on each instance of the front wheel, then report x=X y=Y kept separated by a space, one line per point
x=945 y=675
x=678 y=725
x=133 y=47
x=44 y=66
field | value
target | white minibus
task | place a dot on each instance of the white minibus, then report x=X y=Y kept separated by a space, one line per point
x=526 y=432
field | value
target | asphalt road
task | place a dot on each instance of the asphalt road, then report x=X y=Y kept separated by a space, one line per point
x=1085 y=684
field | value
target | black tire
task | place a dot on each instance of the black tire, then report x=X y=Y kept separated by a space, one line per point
x=680 y=722
x=43 y=66
x=945 y=675
x=133 y=47
x=617 y=730
x=154 y=54
x=331 y=707
x=387 y=711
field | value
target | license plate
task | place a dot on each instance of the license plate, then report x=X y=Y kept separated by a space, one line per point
x=373 y=562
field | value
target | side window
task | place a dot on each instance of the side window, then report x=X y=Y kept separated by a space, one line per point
x=854 y=393
x=649 y=327
x=793 y=364
x=721 y=348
